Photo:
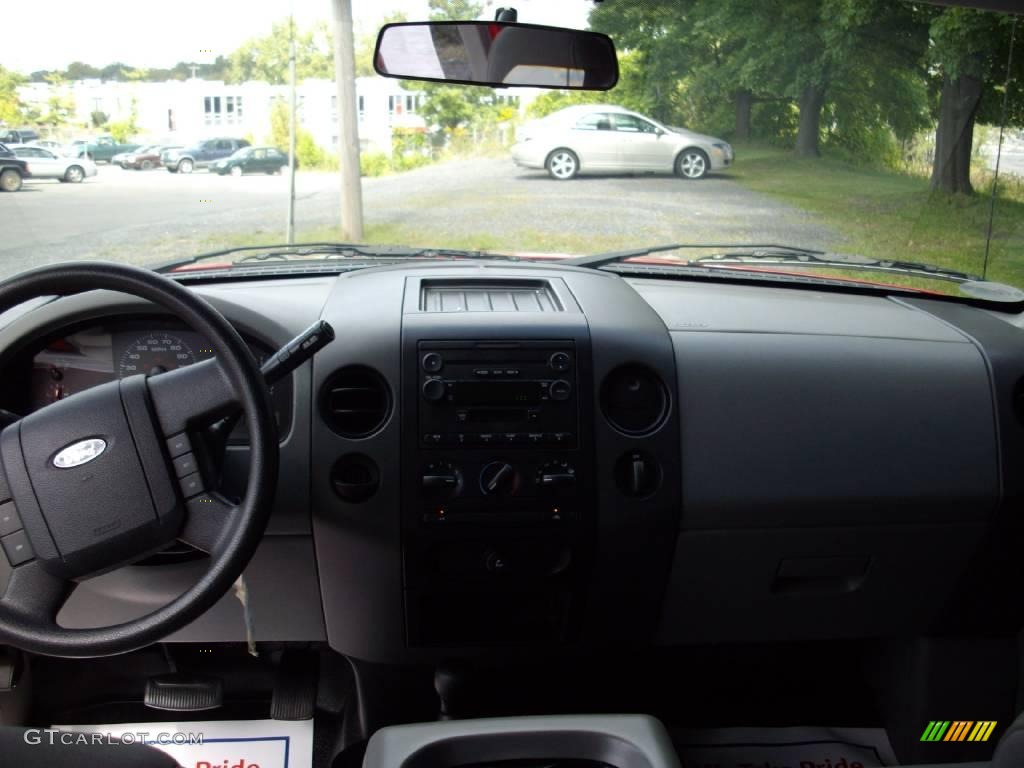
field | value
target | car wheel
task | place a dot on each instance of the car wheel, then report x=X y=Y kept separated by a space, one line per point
x=236 y=170
x=74 y=174
x=10 y=180
x=147 y=165
x=563 y=164
x=185 y=166
x=692 y=164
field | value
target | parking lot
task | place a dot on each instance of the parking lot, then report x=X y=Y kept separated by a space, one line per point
x=146 y=217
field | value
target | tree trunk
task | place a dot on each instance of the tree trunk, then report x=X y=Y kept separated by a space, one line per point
x=812 y=99
x=744 y=108
x=954 y=135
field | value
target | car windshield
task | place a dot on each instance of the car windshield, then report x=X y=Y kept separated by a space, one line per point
x=878 y=142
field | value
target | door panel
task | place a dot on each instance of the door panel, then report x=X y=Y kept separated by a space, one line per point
x=41 y=164
x=593 y=139
x=641 y=147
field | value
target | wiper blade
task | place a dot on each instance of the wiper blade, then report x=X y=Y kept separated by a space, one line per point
x=612 y=257
x=327 y=251
x=737 y=255
x=789 y=257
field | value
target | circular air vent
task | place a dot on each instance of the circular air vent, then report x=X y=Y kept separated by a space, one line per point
x=634 y=399
x=355 y=478
x=355 y=401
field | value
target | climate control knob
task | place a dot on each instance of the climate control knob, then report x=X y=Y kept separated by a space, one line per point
x=499 y=478
x=441 y=480
x=555 y=475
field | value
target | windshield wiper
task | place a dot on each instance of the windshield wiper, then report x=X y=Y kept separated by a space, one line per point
x=250 y=254
x=613 y=257
x=761 y=255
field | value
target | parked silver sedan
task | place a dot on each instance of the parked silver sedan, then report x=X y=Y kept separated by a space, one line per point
x=602 y=138
x=48 y=165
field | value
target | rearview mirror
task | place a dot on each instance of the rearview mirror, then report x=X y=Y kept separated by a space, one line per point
x=497 y=54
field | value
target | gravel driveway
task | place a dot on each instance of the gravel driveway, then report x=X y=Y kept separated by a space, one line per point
x=154 y=216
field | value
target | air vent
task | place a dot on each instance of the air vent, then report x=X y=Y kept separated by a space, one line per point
x=634 y=400
x=488 y=296
x=355 y=401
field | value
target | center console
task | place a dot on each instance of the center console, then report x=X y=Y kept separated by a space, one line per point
x=497 y=479
x=564 y=741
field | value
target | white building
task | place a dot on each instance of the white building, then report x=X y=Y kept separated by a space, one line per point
x=184 y=111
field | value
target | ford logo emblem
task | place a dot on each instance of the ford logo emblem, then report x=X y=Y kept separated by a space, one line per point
x=79 y=453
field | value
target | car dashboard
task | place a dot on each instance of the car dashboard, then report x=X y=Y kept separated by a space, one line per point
x=497 y=456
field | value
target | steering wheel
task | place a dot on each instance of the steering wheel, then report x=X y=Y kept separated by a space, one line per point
x=108 y=475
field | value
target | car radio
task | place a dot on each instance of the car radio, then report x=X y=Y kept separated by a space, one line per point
x=491 y=394
x=498 y=425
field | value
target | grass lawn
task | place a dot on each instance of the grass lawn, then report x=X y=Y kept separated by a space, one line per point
x=885 y=215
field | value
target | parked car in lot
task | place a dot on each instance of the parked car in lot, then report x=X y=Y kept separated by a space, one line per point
x=13 y=170
x=201 y=155
x=252 y=160
x=54 y=146
x=610 y=139
x=100 y=149
x=146 y=158
x=49 y=165
x=17 y=135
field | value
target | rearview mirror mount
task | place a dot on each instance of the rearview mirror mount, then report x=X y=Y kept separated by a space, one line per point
x=498 y=54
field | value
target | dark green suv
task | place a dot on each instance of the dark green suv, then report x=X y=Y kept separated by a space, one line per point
x=252 y=160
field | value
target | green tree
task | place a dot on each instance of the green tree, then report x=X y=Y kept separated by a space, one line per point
x=266 y=58
x=60 y=107
x=711 y=62
x=970 y=50
x=455 y=10
x=10 y=105
x=124 y=130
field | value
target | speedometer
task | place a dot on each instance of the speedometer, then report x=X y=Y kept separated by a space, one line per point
x=155 y=353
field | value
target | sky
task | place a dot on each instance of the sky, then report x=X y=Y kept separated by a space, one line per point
x=160 y=33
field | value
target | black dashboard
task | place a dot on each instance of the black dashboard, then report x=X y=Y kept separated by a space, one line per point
x=532 y=456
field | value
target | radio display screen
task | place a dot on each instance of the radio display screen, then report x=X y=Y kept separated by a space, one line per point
x=497 y=392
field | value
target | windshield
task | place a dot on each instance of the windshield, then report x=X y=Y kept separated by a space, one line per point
x=875 y=133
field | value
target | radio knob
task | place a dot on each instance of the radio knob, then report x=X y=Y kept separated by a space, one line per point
x=559 y=362
x=434 y=389
x=499 y=478
x=432 y=362
x=560 y=389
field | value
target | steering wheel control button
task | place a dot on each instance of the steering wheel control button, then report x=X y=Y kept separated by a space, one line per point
x=559 y=362
x=9 y=520
x=191 y=485
x=16 y=548
x=560 y=390
x=179 y=445
x=185 y=465
x=432 y=362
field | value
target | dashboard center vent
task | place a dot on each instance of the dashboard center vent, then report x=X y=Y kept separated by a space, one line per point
x=355 y=401
x=488 y=296
x=634 y=399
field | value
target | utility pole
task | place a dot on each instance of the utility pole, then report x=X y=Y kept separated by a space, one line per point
x=290 y=227
x=348 y=125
